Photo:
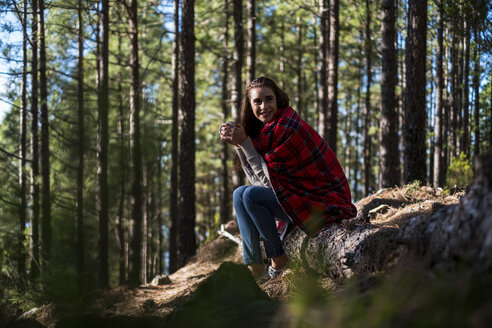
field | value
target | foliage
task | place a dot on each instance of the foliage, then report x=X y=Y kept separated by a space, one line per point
x=460 y=172
x=398 y=299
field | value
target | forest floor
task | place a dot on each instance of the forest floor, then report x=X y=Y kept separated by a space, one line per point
x=288 y=299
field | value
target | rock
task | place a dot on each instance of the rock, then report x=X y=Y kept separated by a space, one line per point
x=160 y=280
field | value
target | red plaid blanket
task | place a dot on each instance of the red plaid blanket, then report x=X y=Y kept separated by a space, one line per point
x=305 y=174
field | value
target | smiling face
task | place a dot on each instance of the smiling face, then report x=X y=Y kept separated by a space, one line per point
x=263 y=103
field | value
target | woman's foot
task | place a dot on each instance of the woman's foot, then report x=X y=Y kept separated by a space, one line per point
x=278 y=263
x=256 y=269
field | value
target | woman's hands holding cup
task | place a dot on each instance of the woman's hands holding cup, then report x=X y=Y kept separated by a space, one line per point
x=232 y=133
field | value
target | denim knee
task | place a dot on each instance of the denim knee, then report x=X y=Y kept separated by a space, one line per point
x=237 y=195
x=249 y=197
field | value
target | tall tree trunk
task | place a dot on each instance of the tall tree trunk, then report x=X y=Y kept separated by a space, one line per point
x=459 y=112
x=236 y=92
x=454 y=95
x=332 y=112
x=356 y=141
x=145 y=225
x=80 y=151
x=323 y=81
x=283 y=60
x=390 y=157
x=187 y=242
x=120 y=226
x=173 y=197
x=160 y=241
x=476 y=91
x=102 y=147
x=251 y=58
x=299 y=71
x=135 y=150
x=225 y=206
x=415 y=114
x=35 y=265
x=348 y=127
x=466 y=93
x=367 y=108
x=439 y=122
x=237 y=81
x=46 y=232
x=21 y=265
x=316 y=92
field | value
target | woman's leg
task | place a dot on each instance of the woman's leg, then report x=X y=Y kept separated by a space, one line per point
x=262 y=206
x=249 y=234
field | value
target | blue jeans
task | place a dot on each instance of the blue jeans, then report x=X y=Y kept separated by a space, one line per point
x=256 y=209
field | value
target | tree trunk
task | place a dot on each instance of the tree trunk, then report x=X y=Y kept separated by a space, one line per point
x=466 y=93
x=438 y=125
x=454 y=97
x=348 y=127
x=251 y=58
x=237 y=82
x=236 y=93
x=332 y=112
x=323 y=81
x=160 y=241
x=46 y=232
x=283 y=60
x=187 y=242
x=145 y=225
x=415 y=114
x=390 y=157
x=299 y=70
x=21 y=265
x=225 y=206
x=173 y=197
x=476 y=91
x=135 y=150
x=102 y=148
x=35 y=269
x=367 y=108
x=80 y=151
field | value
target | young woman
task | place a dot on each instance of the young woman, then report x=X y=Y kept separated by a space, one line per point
x=295 y=176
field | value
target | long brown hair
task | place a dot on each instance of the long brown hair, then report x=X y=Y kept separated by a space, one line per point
x=252 y=125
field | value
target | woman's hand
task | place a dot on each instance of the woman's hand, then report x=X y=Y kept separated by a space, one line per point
x=232 y=133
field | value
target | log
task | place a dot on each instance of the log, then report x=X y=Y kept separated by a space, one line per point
x=446 y=235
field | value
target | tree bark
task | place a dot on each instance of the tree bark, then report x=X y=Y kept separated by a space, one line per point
x=173 y=197
x=299 y=71
x=476 y=91
x=415 y=114
x=466 y=93
x=323 y=81
x=80 y=151
x=251 y=58
x=135 y=277
x=225 y=206
x=438 y=125
x=390 y=157
x=187 y=212
x=102 y=147
x=35 y=260
x=332 y=112
x=21 y=264
x=367 y=109
x=45 y=145
x=348 y=128
x=237 y=81
x=453 y=97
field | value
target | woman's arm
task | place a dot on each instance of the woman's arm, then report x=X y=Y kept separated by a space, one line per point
x=252 y=160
